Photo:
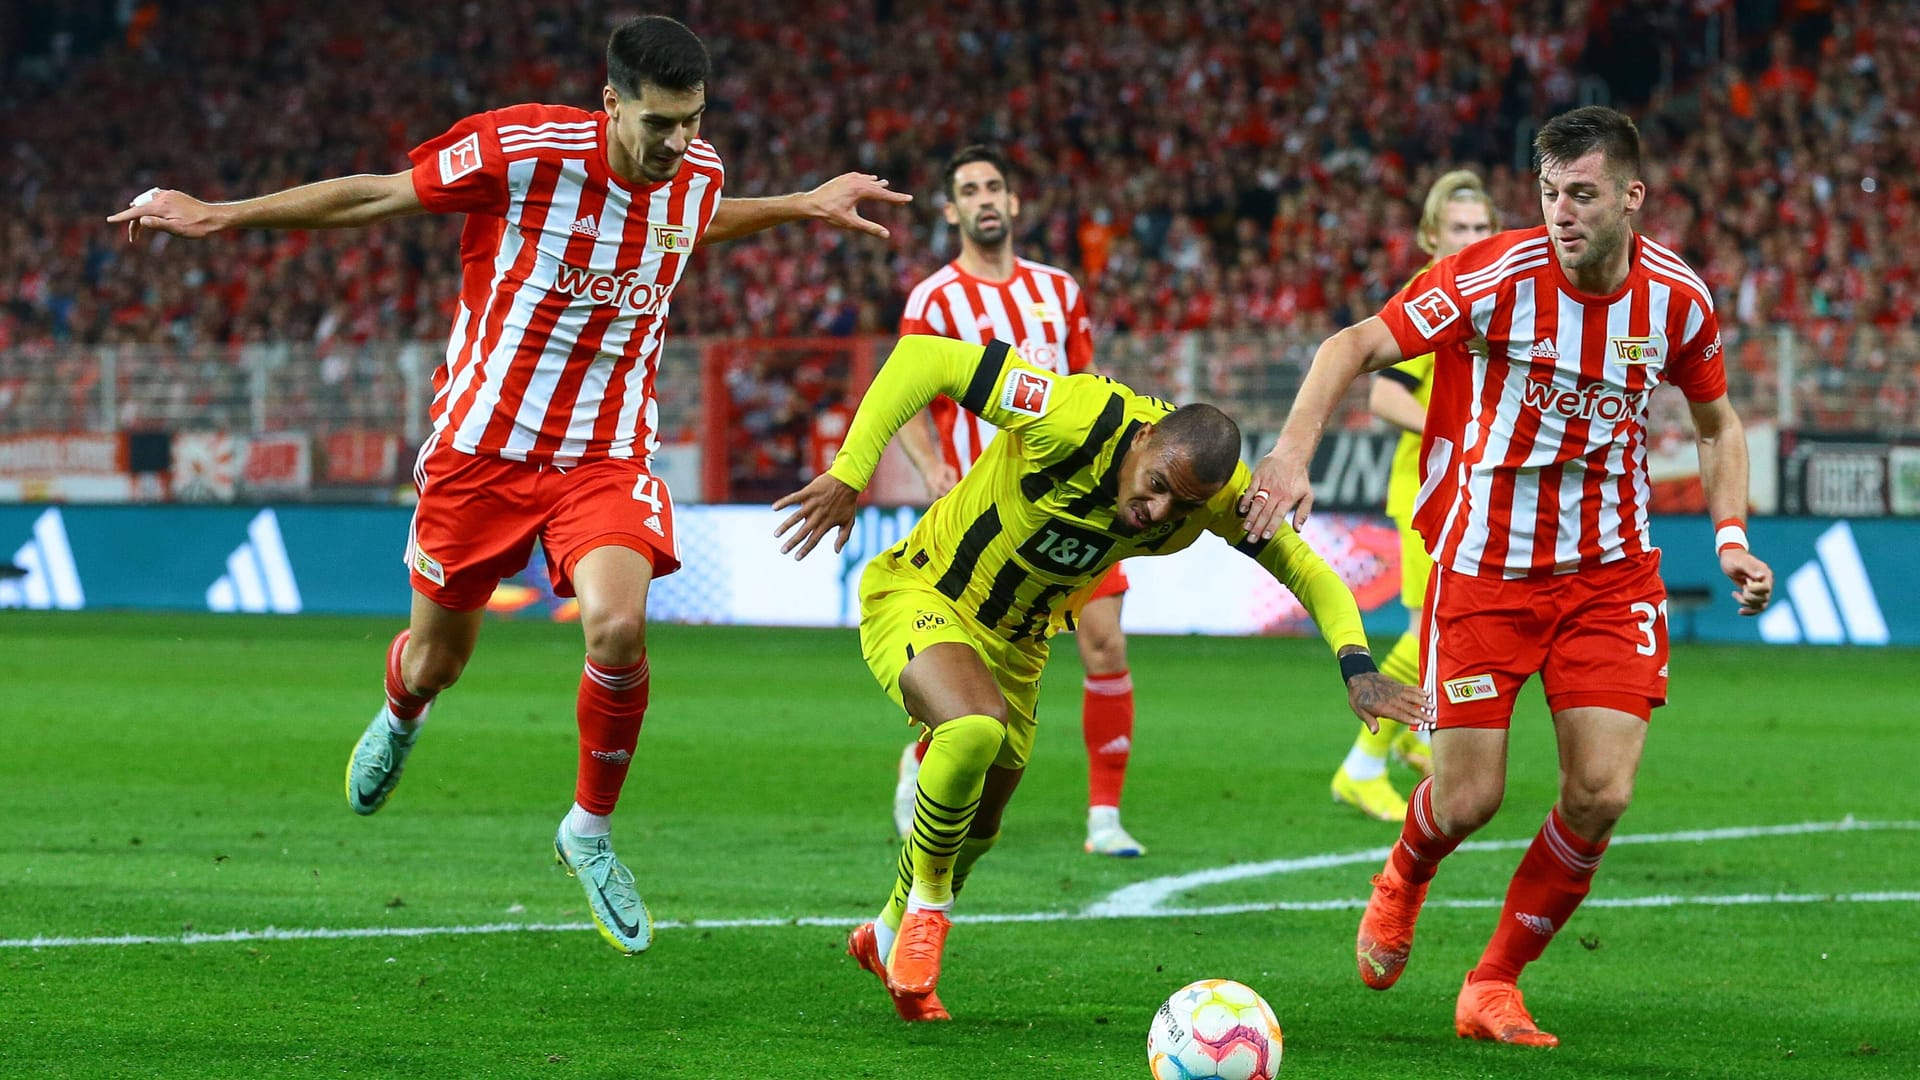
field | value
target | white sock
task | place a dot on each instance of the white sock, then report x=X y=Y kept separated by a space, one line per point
x=582 y=823
x=1102 y=818
x=916 y=902
x=1362 y=766
x=883 y=936
x=402 y=728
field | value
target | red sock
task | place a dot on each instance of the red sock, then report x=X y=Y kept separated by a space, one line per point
x=613 y=701
x=920 y=749
x=1552 y=880
x=1106 y=723
x=1422 y=845
x=403 y=703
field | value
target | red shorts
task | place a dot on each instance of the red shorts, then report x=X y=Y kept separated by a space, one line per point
x=478 y=518
x=1597 y=638
x=1112 y=583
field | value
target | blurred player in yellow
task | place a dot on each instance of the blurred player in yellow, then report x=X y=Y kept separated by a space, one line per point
x=1457 y=213
x=955 y=620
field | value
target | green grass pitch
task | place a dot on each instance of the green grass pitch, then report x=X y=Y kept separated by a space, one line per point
x=171 y=775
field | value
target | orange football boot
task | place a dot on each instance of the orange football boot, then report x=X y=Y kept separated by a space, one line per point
x=916 y=952
x=1386 y=929
x=1495 y=1010
x=865 y=948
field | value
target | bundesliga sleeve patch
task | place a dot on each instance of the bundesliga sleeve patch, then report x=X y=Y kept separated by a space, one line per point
x=1431 y=311
x=1026 y=392
x=460 y=159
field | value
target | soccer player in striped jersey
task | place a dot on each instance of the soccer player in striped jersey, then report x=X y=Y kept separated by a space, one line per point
x=987 y=293
x=954 y=621
x=1457 y=212
x=1534 y=508
x=578 y=227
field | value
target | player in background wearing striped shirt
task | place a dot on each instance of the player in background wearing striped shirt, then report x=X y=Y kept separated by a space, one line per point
x=1534 y=507
x=955 y=620
x=1457 y=212
x=985 y=294
x=578 y=227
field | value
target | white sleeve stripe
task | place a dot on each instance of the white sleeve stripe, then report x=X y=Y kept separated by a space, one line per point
x=1525 y=250
x=1677 y=271
x=1513 y=271
x=556 y=126
x=523 y=147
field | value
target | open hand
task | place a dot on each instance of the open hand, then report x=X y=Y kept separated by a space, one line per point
x=173 y=212
x=825 y=504
x=1279 y=492
x=1372 y=695
x=837 y=202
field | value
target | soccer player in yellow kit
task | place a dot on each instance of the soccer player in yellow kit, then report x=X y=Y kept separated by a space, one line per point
x=1458 y=212
x=955 y=620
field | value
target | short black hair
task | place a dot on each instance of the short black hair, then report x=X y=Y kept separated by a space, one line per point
x=1210 y=438
x=967 y=155
x=653 y=50
x=1573 y=135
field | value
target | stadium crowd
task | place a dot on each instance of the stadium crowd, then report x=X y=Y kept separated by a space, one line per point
x=1222 y=165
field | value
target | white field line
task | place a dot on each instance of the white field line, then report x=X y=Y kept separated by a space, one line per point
x=1142 y=901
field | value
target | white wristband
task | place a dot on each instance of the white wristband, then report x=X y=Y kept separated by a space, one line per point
x=1730 y=536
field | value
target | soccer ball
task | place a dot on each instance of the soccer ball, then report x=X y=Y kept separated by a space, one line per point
x=1214 y=1028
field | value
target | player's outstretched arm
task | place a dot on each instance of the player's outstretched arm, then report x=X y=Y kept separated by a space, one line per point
x=342 y=203
x=1722 y=442
x=1281 y=491
x=836 y=202
x=827 y=503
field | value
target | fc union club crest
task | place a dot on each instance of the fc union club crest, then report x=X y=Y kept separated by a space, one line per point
x=674 y=239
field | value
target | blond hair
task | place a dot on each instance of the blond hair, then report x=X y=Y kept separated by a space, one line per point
x=1460 y=185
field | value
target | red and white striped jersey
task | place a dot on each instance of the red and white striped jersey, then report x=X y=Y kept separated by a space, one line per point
x=567 y=276
x=1040 y=311
x=1535 y=452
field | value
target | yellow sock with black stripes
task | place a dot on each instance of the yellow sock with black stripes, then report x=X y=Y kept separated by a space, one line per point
x=970 y=853
x=951 y=779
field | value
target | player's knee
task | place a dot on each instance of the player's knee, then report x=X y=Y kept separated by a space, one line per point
x=1593 y=807
x=1103 y=653
x=431 y=669
x=977 y=736
x=1462 y=811
x=616 y=639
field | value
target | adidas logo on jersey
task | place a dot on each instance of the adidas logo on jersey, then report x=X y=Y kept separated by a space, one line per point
x=653 y=522
x=51 y=581
x=1539 y=924
x=1544 y=350
x=1828 y=601
x=586 y=226
x=259 y=575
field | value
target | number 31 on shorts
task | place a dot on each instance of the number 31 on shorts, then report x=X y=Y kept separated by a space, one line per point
x=1648 y=615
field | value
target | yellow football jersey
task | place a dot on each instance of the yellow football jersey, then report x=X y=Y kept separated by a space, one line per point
x=1033 y=523
x=1403 y=483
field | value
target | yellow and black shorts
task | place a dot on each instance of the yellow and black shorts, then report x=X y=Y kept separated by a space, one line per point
x=902 y=616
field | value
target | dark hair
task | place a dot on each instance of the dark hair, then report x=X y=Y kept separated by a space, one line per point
x=970 y=154
x=1210 y=438
x=1573 y=135
x=653 y=50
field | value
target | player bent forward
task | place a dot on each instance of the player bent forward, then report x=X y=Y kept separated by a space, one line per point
x=955 y=621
